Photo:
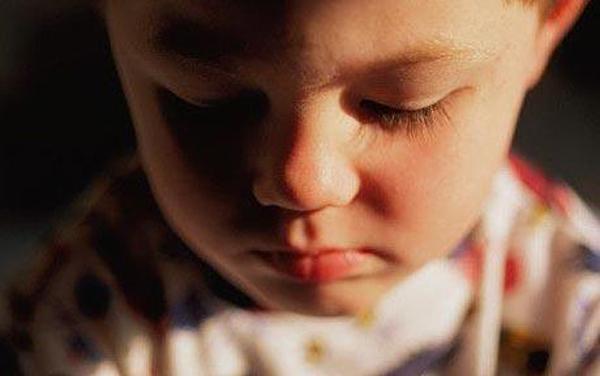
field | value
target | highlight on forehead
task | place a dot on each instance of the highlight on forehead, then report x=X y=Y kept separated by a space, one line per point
x=217 y=22
x=198 y=36
x=202 y=49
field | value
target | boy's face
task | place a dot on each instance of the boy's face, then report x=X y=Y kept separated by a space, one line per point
x=307 y=126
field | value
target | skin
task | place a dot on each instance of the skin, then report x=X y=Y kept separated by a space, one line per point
x=303 y=164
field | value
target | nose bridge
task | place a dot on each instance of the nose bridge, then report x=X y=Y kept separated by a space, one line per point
x=306 y=159
x=306 y=167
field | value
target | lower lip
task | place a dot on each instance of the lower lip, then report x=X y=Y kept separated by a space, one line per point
x=321 y=268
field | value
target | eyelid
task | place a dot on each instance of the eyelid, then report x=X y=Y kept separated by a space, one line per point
x=417 y=105
x=383 y=110
x=217 y=101
x=410 y=102
x=213 y=102
x=416 y=124
x=202 y=94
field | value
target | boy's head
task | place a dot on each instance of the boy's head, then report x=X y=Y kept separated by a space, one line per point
x=278 y=128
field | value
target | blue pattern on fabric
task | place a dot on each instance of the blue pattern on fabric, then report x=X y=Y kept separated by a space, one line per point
x=426 y=360
x=84 y=348
x=189 y=312
x=591 y=259
x=588 y=359
x=587 y=259
x=462 y=248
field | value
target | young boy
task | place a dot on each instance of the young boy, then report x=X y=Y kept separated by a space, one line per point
x=338 y=199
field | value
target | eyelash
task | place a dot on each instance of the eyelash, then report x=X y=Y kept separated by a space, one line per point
x=413 y=123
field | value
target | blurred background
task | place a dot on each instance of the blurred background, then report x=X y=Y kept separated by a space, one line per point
x=63 y=117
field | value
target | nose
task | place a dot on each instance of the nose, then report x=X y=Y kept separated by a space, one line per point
x=305 y=161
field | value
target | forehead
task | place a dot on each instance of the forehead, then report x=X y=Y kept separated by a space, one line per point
x=318 y=35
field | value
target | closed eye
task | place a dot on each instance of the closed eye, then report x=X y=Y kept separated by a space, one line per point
x=413 y=122
x=243 y=109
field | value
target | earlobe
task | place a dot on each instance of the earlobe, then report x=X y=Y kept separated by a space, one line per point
x=556 y=23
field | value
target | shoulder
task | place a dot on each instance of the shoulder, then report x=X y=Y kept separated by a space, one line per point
x=110 y=272
x=551 y=306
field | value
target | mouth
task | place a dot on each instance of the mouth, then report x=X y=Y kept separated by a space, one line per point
x=322 y=266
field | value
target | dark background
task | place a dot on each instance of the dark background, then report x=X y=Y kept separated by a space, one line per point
x=63 y=116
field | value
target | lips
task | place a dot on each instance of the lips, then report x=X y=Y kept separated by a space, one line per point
x=319 y=266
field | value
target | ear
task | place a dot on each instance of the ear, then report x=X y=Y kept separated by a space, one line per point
x=554 y=25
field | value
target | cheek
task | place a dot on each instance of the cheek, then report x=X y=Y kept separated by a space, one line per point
x=428 y=195
x=429 y=187
x=412 y=180
x=183 y=196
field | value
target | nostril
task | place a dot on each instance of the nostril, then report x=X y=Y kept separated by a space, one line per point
x=276 y=190
x=260 y=194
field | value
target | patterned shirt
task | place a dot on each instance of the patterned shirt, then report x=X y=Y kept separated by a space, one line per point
x=114 y=291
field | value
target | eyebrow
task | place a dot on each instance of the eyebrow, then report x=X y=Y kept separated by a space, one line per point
x=223 y=51
x=205 y=45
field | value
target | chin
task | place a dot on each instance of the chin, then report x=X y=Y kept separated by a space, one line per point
x=349 y=297
x=331 y=302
